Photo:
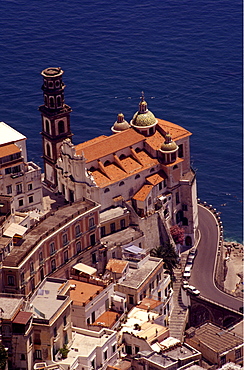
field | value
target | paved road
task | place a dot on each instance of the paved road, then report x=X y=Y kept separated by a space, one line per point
x=202 y=274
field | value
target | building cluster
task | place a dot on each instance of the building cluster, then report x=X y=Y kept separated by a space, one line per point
x=79 y=288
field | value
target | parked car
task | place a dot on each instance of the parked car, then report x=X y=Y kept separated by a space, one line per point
x=193 y=290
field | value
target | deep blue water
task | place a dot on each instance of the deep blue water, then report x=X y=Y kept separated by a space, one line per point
x=185 y=55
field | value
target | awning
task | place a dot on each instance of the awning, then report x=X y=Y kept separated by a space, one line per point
x=15 y=229
x=85 y=269
x=134 y=249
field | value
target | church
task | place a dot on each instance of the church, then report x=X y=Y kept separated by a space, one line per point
x=144 y=165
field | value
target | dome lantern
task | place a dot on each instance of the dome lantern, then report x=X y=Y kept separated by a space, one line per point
x=144 y=120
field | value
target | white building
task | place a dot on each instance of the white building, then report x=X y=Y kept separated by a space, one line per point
x=18 y=177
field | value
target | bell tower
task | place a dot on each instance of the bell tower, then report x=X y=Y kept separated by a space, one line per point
x=55 y=121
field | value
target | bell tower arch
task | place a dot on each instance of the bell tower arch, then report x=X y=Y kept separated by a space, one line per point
x=55 y=121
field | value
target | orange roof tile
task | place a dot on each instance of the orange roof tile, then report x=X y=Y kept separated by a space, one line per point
x=177 y=132
x=115 y=265
x=143 y=192
x=116 y=174
x=149 y=303
x=8 y=150
x=108 y=144
x=156 y=178
x=107 y=319
x=83 y=291
x=130 y=164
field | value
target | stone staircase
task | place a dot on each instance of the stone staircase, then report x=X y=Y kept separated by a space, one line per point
x=179 y=314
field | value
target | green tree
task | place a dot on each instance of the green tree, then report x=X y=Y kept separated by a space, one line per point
x=3 y=357
x=168 y=254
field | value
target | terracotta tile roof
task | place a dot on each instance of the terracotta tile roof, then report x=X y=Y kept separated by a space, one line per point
x=83 y=292
x=156 y=178
x=115 y=173
x=130 y=164
x=22 y=317
x=115 y=265
x=148 y=303
x=107 y=319
x=177 y=132
x=143 y=192
x=110 y=144
x=8 y=150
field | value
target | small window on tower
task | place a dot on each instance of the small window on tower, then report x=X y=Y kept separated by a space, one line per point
x=51 y=102
x=50 y=84
x=57 y=84
x=48 y=150
x=59 y=104
x=60 y=127
x=47 y=127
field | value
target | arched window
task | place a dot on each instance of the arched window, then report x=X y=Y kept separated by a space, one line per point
x=122 y=156
x=48 y=150
x=152 y=170
x=60 y=127
x=173 y=157
x=50 y=84
x=106 y=190
x=45 y=100
x=51 y=102
x=137 y=176
x=59 y=101
x=47 y=127
x=92 y=169
x=107 y=163
x=121 y=183
x=57 y=84
x=137 y=150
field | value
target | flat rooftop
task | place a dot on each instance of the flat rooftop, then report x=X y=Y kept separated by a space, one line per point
x=85 y=341
x=112 y=213
x=45 y=302
x=82 y=292
x=50 y=222
x=136 y=277
x=122 y=237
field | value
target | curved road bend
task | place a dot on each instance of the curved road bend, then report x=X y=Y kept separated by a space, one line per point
x=202 y=275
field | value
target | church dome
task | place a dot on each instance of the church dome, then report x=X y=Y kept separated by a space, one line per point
x=121 y=124
x=143 y=117
x=169 y=145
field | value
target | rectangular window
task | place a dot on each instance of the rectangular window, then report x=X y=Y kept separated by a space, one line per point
x=131 y=299
x=30 y=186
x=92 y=239
x=22 y=277
x=160 y=186
x=52 y=248
x=22 y=357
x=105 y=355
x=19 y=188
x=94 y=258
x=112 y=227
x=21 y=202
x=65 y=320
x=184 y=207
x=177 y=198
x=91 y=222
x=7 y=171
x=37 y=338
x=16 y=169
x=38 y=354
x=78 y=247
x=9 y=189
x=103 y=231
x=114 y=348
x=11 y=280
x=55 y=333
x=180 y=151
x=77 y=230
x=65 y=239
x=31 y=200
x=31 y=267
x=137 y=349
x=122 y=223
x=66 y=257
x=40 y=258
x=238 y=353
x=53 y=265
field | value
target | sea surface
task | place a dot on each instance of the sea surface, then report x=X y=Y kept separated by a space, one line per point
x=185 y=55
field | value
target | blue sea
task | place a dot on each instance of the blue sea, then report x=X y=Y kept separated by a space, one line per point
x=185 y=55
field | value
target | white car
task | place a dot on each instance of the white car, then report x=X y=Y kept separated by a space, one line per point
x=193 y=290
